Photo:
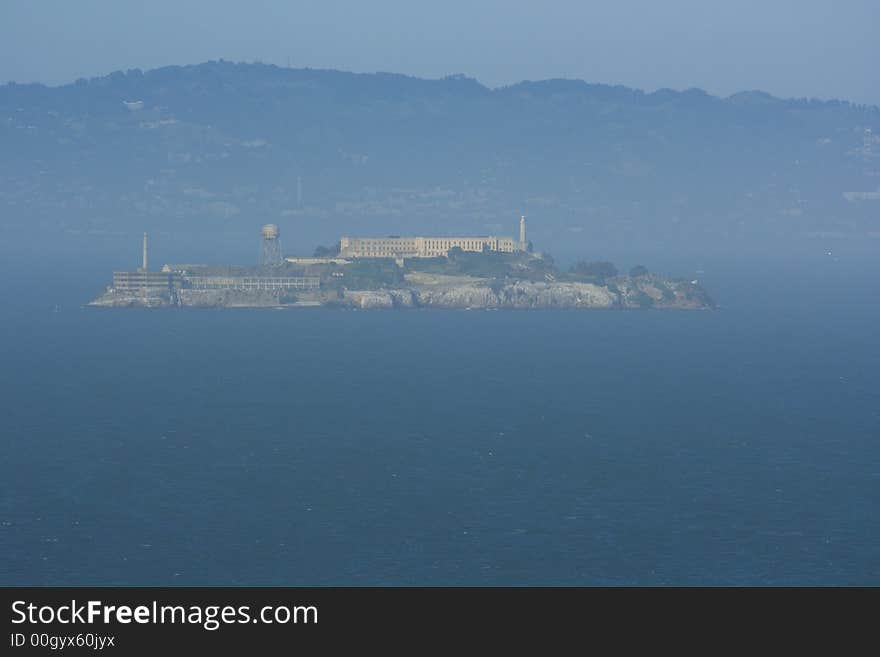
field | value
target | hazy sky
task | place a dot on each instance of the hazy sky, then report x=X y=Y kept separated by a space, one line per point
x=798 y=48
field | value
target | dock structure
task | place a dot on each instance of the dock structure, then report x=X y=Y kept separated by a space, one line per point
x=252 y=282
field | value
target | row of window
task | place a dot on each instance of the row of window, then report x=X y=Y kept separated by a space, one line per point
x=431 y=246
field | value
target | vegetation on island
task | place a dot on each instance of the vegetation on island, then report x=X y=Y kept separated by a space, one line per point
x=327 y=251
x=364 y=274
x=497 y=271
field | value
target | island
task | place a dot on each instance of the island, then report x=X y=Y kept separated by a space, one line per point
x=404 y=272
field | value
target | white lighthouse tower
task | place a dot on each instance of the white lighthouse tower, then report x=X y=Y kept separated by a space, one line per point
x=523 y=244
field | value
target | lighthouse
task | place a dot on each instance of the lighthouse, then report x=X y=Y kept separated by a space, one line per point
x=522 y=233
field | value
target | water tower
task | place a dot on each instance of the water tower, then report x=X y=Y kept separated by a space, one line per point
x=270 y=246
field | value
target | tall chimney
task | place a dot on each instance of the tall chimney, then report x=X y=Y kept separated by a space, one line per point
x=145 y=252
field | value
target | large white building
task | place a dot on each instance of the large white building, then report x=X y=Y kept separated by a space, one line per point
x=428 y=247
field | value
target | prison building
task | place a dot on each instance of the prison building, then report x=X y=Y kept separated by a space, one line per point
x=422 y=247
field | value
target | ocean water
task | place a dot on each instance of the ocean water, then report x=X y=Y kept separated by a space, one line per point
x=316 y=447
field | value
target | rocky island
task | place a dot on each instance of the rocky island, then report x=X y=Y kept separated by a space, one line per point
x=486 y=279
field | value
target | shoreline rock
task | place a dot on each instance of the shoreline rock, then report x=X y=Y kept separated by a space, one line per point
x=649 y=291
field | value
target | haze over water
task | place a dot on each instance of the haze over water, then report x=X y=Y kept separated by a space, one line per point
x=738 y=446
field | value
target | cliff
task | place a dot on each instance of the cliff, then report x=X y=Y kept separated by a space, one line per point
x=463 y=292
x=111 y=298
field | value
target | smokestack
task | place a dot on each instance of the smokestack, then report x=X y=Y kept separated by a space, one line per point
x=145 y=252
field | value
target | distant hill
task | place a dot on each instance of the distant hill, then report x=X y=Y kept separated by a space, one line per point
x=224 y=145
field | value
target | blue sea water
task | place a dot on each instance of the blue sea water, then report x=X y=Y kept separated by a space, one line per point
x=317 y=447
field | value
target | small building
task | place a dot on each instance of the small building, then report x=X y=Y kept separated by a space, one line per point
x=308 y=261
x=150 y=281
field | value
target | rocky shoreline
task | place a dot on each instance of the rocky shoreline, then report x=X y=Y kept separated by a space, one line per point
x=650 y=292
x=435 y=291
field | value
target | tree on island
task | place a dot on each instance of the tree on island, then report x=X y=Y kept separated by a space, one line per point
x=328 y=252
x=638 y=270
x=595 y=270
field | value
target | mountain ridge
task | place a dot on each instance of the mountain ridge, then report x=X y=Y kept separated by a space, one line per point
x=227 y=145
x=572 y=83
